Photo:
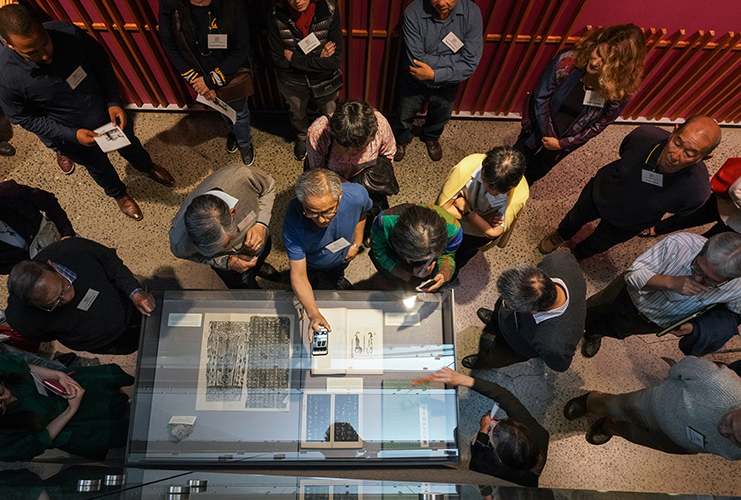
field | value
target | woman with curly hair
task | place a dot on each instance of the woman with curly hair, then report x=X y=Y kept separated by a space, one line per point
x=582 y=91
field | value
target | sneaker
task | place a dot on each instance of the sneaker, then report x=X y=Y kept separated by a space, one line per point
x=66 y=165
x=248 y=155
x=231 y=143
x=299 y=150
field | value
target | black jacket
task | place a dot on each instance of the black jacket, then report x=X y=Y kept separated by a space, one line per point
x=284 y=35
x=20 y=208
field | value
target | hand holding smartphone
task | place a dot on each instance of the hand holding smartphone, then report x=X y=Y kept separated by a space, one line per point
x=424 y=285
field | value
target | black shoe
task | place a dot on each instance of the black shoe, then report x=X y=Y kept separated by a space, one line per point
x=597 y=434
x=484 y=315
x=299 y=149
x=471 y=362
x=6 y=149
x=248 y=155
x=344 y=284
x=66 y=359
x=268 y=272
x=231 y=143
x=576 y=407
x=590 y=345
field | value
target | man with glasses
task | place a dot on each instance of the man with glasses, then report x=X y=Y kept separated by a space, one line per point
x=80 y=293
x=224 y=223
x=322 y=232
x=681 y=275
x=539 y=314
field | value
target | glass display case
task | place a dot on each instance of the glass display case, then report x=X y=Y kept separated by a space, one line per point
x=226 y=377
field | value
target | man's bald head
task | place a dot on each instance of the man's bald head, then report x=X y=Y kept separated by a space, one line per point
x=690 y=143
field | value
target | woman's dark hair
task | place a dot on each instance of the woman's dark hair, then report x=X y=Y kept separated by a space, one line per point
x=22 y=419
x=419 y=235
x=503 y=168
x=353 y=124
x=515 y=445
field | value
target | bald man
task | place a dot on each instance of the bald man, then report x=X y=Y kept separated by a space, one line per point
x=658 y=172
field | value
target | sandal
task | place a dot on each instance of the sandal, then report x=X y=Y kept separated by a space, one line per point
x=597 y=434
x=554 y=240
x=576 y=407
x=647 y=233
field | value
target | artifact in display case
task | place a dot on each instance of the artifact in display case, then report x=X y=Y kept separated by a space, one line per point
x=355 y=344
x=332 y=420
x=245 y=362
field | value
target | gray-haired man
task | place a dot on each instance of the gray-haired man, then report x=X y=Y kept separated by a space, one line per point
x=539 y=314
x=322 y=232
x=679 y=276
x=224 y=223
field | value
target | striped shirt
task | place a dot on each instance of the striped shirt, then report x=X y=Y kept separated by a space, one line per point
x=673 y=256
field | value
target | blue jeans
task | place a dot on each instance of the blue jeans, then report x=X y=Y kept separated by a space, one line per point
x=241 y=129
x=413 y=95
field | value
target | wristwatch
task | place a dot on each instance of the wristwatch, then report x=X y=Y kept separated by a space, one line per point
x=356 y=246
x=465 y=214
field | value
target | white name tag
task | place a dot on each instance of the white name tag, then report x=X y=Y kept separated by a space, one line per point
x=453 y=42
x=338 y=245
x=76 y=77
x=218 y=41
x=653 y=178
x=309 y=43
x=592 y=98
x=88 y=299
x=246 y=221
x=695 y=436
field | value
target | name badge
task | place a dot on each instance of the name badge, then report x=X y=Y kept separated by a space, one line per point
x=88 y=299
x=309 y=43
x=653 y=178
x=246 y=221
x=453 y=42
x=76 y=77
x=695 y=436
x=218 y=41
x=338 y=245
x=594 y=99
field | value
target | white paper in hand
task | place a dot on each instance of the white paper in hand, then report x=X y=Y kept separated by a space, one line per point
x=219 y=106
x=111 y=138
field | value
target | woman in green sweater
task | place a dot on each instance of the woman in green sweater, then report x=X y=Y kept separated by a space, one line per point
x=88 y=421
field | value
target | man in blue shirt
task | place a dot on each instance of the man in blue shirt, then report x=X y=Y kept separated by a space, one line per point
x=322 y=232
x=443 y=42
x=57 y=82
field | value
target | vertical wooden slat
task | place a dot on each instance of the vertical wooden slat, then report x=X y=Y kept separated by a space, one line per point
x=349 y=46
x=146 y=24
x=134 y=54
x=386 y=62
x=716 y=101
x=369 y=53
x=395 y=67
x=570 y=27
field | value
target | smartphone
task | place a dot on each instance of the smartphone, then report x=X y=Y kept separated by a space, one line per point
x=424 y=285
x=320 y=342
x=54 y=386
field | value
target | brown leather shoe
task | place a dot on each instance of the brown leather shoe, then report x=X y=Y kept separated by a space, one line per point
x=160 y=175
x=434 y=149
x=65 y=164
x=401 y=150
x=129 y=207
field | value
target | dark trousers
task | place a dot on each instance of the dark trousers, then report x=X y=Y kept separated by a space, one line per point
x=539 y=161
x=297 y=98
x=99 y=166
x=326 y=279
x=241 y=128
x=606 y=235
x=704 y=215
x=413 y=95
x=246 y=280
x=468 y=248
x=611 y=313
x=127 y=342
x=494 y=351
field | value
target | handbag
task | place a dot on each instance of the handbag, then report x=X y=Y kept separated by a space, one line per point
x=47 y=234
x=379 y=178
x=326 y=87
x=727 y=175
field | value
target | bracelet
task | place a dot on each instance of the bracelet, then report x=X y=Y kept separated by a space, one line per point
x=465 y=214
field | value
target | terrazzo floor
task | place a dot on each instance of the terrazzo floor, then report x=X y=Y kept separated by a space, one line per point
x=191 y=146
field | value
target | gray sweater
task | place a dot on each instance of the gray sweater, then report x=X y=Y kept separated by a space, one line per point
x=696 y=394
x=255 y=190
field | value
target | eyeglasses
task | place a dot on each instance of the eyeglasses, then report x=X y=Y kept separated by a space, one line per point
x=65 y=290
x=697 y=272
x=326 y=215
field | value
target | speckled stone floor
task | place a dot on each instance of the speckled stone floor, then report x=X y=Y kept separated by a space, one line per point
x=192 y=146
